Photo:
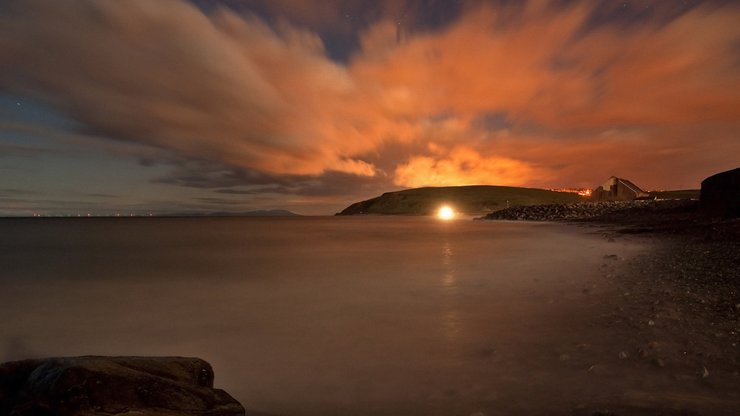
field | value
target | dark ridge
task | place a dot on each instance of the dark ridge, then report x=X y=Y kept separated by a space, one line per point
x=470 y=200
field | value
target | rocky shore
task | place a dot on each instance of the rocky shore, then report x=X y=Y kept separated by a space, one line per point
x=680 y=301
x=96 y=386
x=592 y=210
x=679 y=217
x=698 y=252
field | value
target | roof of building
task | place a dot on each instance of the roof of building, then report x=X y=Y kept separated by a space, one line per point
x=634 y=188
x=631 y=186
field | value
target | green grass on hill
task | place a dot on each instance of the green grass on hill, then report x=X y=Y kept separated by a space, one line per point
x=680 y=194
x=470 y=200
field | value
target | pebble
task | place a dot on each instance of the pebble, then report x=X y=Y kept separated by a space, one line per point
x=623 y=355
x=596 y=369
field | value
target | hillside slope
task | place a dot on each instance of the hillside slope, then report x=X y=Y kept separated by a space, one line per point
x=470 y=200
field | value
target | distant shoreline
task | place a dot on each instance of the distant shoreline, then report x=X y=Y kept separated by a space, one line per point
x=249 y=214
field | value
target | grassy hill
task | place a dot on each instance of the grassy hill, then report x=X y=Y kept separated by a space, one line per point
x=471 y=200
x=680 y=194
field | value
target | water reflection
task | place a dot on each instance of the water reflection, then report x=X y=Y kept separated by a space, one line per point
x=448 y=272
x=307 y=316
x=450 y=322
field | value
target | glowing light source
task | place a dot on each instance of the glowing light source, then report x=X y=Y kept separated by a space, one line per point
x=445 y=213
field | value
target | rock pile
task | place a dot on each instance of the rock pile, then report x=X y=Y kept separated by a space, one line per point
x=584 y=210
x=92 y=386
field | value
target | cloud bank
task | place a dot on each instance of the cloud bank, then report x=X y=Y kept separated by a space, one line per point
x=535 y=94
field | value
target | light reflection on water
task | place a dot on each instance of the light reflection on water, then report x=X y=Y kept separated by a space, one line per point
x=448 y=269
x=298 y=316
x=450 y=319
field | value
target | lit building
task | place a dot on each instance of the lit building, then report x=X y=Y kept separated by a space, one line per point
x=618 y=189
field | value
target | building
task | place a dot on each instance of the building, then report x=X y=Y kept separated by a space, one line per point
x=618 y=189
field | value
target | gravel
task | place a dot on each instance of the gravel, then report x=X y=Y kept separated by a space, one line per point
x=678 y=304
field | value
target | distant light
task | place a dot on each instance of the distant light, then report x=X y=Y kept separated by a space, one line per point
x=445 y=213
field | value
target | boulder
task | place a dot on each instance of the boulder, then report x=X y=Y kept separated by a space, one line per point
x=92 y=385
x=720 y=194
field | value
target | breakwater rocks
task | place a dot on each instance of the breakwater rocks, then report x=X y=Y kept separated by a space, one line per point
x=590 y=210
x=94 y=386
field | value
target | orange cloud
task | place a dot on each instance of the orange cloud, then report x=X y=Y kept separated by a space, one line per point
x=543 y=66
x=232 y=89
x=461 y=166
x=223 y=87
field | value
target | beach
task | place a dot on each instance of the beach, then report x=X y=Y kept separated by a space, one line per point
x=377 y=315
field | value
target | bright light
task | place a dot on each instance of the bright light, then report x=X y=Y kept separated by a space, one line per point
x=445 y=213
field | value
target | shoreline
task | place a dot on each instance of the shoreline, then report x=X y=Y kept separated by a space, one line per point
x=563 y=329
x=678 y=302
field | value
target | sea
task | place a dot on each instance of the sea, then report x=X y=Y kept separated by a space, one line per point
x=308 y=315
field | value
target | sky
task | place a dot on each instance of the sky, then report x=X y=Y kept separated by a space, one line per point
x=174 y=106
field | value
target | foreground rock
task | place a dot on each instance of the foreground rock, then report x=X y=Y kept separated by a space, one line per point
x=87 y=386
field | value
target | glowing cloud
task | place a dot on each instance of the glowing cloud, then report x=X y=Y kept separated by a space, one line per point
x=462 y=166
x=232 y=89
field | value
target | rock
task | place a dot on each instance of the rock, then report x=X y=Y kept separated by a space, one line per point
x=653 y=345
x=91 y=385
x=586 y=210
x=720 y=194
x=623 y=355
x=597 y=369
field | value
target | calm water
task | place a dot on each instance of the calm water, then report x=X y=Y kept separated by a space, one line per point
x=305 y=316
